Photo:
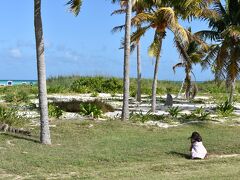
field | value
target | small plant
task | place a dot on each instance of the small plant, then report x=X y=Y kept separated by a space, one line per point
x=201 y=114
x=174 y=111
x=54 y=111
x=133 y=94
x=146 y=117
x=89 y=109
x=135 y=117
x=225 y=109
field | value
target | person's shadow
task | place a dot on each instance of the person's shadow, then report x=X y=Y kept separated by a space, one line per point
x=186 y=156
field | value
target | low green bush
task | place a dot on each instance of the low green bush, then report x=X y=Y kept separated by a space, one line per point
x=74 y=106
x=174 y=111
x=16 y=96
x=225 y=109
x=141 y=117
x=10 y=116
x=54 y=111
x=89 y=109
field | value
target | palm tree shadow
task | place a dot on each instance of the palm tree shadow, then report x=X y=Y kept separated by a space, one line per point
x=186 y=156
x=17 y=136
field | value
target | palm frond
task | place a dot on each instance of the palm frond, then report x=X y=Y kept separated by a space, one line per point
x=118 y=28
x=233 y=64
x=232 y=31
x=155 y=47
x=208 y=34
x=119 y=11
x=182 y=51
x=210 y=57
x=221 y=60
x=177 y=65
x=139 y=33
x=75 y=6
x=142 y=18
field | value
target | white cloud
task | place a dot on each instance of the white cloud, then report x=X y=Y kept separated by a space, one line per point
x=15 y=53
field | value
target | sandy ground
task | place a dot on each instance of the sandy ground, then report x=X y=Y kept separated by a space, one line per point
x=134 y=106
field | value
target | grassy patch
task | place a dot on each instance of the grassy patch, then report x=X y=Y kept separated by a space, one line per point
x=113 y=149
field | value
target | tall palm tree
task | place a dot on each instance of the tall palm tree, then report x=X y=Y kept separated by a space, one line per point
x=159 y=19
x=225 y=30
x=43 y=104
x=126 y=78
x=192 y=54
x=45 y=137
x=138 y=8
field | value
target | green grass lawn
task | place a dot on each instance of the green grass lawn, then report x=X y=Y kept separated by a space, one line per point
x=120 y=150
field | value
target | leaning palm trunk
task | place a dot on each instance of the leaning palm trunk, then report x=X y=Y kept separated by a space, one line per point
x=126 y=81
x=43 y=104
x=232 y=89
x=155 y=76
x=187 y=83
x=138 y=73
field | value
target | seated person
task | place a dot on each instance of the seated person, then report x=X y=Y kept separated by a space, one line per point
x=198 y=151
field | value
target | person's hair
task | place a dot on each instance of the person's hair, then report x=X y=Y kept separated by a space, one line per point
x=196 y=137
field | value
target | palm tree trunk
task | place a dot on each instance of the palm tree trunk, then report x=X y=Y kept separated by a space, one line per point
x=187 y=82
x=155 y=76
x=232 y=89
x=43 y=104
x=126 y=81
x=138 y=73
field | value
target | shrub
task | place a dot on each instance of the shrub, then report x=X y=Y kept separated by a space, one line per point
x=90 y=109
x=112 y=85
x=16 y=96
x=74 y=106
x=54 y=111
x=225 y=109
x=97 y=84
x=10 y=116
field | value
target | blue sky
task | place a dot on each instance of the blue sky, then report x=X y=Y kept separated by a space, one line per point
x=82 y=45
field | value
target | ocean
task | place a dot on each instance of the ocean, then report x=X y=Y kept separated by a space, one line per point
x=17 y=82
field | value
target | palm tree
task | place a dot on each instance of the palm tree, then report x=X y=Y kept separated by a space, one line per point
x=159 y=19
x=42 y=88
x=192 y=54
x=126 y=79
x=138 y=7
x=43 y=104
x=225 y=31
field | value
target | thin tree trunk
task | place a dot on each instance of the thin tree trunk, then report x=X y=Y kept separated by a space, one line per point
x=43 y=104
x=155 y=76
x=138 y=73
x=232 y=89
x=126 y=81
x=187 y=82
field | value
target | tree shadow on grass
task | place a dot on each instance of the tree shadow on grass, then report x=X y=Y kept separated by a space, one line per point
x=179 y=154
x=28 y=138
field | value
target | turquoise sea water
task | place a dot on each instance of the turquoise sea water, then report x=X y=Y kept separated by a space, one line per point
x=17 y=82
